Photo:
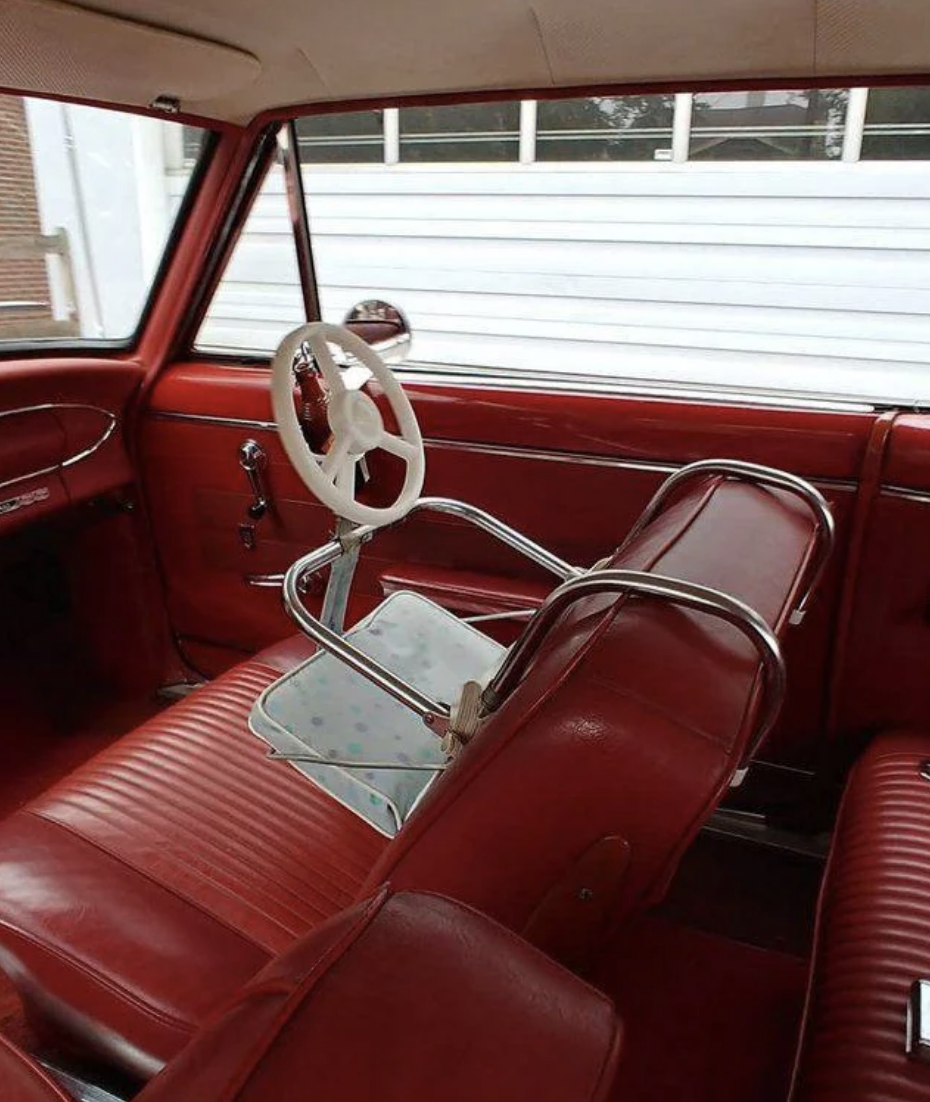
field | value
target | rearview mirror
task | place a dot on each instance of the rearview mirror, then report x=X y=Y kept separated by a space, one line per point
x=381 y=326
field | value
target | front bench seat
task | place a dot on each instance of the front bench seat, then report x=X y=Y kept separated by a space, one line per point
x=148 y=886
x=138 y=893
x=402 y=997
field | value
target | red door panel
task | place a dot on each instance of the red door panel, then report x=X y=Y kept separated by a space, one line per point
x=572 y=471
x=61 y=434
x=67 y=488
x=886 y=678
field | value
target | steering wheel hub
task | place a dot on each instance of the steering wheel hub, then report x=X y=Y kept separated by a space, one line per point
x=354 y=415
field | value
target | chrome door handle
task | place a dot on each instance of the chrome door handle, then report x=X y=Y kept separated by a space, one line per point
x=254 y=461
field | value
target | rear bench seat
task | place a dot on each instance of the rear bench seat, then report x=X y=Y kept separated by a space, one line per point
x=873 y=937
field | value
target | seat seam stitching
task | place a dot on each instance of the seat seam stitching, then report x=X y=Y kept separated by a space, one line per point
x=105 y=981
x=120 y=859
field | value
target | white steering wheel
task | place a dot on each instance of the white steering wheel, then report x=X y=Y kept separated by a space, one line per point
x=355 y=422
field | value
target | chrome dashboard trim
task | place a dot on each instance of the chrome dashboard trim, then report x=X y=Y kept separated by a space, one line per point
x=71 y=460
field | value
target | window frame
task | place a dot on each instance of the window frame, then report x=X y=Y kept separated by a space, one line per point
x=84 y=347
x=261 y=158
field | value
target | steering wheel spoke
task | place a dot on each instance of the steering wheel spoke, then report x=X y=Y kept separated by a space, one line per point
x=332 y=376
x=397 y=445
x=338 y=452
x=345 y=477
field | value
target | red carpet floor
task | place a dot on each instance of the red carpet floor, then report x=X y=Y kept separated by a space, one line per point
x=38 y=746
x=707 y=1019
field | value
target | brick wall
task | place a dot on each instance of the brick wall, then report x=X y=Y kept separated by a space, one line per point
x=20 y=280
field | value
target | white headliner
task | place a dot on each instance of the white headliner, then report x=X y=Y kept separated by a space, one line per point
x=232 y=59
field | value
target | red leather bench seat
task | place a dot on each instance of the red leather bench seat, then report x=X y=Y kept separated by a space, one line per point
x=873 y=936
x=153 y=882
x=385 y=1002
x=142 y=891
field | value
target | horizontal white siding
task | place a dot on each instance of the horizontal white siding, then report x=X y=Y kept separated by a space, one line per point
x=790 y=276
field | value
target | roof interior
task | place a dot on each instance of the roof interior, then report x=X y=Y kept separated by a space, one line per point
x=231 y=60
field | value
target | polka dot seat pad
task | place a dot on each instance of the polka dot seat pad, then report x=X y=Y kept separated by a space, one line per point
x=323 y=709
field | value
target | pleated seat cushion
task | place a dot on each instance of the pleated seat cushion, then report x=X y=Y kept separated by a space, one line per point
x=154 y=881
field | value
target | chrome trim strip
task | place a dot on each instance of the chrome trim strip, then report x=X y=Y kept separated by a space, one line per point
x=903 y=493
x=71 y=460
x=587 y=459
x=552 y=382
x=29 y=477
x=209 y=419
x=504 y=450
x=576 y=458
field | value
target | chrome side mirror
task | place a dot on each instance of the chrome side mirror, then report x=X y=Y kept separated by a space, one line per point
x=383 y=327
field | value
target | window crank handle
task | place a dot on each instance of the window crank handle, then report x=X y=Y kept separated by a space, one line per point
x=253 y=460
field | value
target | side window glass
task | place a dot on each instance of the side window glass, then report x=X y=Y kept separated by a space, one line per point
x=460 y=133
x=768 y=126
x=88 y=200
x=897 y=125
x=750 y=242
x=258 y=299
x=354 y=137
x=622 y=128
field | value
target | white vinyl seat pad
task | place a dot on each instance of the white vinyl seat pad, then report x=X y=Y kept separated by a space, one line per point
x=328 y=710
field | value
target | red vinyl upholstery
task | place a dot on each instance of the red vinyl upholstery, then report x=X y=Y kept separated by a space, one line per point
x=873 y=936
x=152 y=883
x=23 y=1080
x=628 y=726
x=139 y=893
x=384 y=1001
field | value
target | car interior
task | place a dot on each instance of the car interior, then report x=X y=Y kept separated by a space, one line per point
x=463 y=580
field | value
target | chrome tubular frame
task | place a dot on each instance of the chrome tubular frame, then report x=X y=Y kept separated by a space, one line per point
x=576 y=583
x=500 y=531
x=434 y=713
x=765 y=476
x=641 y=584
x=355 y=763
